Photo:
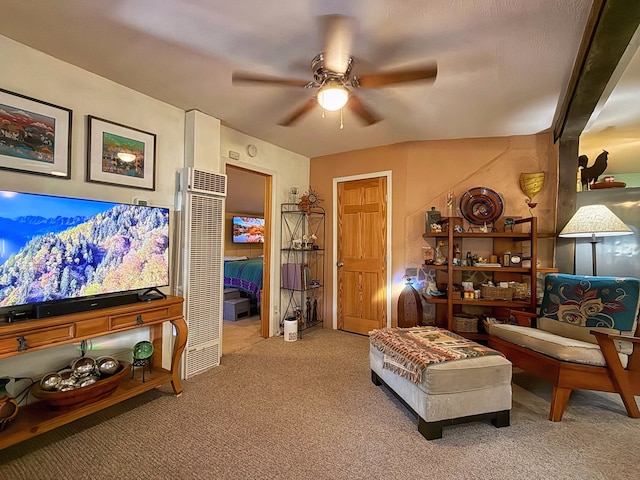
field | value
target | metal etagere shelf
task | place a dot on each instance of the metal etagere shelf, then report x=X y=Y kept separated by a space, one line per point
x=302 y=265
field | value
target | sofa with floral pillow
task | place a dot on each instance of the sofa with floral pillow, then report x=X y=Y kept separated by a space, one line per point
x=583 y=337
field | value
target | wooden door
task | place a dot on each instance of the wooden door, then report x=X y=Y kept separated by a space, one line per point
x=362 y=247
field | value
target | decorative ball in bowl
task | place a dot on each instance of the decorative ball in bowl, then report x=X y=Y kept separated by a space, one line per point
x=81 y=395
x=50 y=381
x=107 y=365
x=83 y=366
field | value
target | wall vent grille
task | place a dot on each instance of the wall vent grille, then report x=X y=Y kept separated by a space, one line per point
x=206 y=182
x=203 y=278
x=203 y=358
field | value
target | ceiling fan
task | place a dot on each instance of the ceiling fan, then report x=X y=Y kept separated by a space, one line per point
x=333 y=80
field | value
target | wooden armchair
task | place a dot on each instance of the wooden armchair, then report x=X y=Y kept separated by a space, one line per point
x=586 y=336
x=625 y=381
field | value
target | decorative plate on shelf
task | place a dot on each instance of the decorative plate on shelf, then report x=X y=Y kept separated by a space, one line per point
x=481 y=205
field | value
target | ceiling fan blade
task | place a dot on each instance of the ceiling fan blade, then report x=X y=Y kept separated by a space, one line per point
x=338 y=38
x=361 y=110
x=376 y=80
x=302 y=110
x=240 y=77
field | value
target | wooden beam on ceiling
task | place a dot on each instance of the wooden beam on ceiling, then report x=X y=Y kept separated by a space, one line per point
x=609 y=29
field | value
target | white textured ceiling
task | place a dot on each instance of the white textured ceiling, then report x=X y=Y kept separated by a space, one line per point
x=503 y=65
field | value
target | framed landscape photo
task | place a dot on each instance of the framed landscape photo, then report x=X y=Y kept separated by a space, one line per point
x=120 y=155
x=35 y=136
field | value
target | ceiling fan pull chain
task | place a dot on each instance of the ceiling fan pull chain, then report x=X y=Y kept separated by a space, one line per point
x=341 y=124
x=323 y=113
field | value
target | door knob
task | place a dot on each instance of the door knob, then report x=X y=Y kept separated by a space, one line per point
x=340 y=264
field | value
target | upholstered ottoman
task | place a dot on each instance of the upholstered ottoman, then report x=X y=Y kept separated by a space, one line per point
x=472 y=387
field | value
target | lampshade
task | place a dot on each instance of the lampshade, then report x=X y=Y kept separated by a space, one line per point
x=592 y=221
x=333 y=97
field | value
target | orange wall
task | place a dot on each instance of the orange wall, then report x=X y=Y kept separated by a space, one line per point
x=423 y=173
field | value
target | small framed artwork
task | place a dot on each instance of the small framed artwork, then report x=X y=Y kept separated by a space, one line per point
x=35 y=136
x=120 y=155
x=428 y=255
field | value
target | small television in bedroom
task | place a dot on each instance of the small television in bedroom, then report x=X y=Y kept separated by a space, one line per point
x=59 y=249
x=246 y=229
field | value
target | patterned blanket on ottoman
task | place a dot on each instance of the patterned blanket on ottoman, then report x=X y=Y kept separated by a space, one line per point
x=409 y=351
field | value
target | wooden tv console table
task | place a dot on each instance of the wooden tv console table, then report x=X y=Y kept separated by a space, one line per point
x=22 y=337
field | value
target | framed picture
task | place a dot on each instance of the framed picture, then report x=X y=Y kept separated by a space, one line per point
x=120 y=155
x=35 y=136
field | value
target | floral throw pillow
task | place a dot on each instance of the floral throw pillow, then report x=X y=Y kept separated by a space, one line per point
x=609 y=302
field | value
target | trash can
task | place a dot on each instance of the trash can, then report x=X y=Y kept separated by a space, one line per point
x=290 y=330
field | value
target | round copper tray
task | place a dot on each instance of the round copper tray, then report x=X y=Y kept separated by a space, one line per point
x=481 y=205
x=598 y=185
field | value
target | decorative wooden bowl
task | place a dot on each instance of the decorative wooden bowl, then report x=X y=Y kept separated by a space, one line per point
x=8 y=411
x=83 y=395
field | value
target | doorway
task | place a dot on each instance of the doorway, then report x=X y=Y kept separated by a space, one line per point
x=249 y=195
x=362 y=253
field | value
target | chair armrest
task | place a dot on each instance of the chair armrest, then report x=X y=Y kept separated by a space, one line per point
x=524 y=319
x=612 y=336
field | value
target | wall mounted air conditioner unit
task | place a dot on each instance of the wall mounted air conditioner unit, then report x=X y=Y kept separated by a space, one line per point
x=201 y=206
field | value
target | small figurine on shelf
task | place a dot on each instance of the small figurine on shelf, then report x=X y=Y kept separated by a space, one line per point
x=469 y=259
x=450 y=203
x=509 y=223
x=296 y=243
x=457 y=255
x=314 y=316
x=440 y=257
x=436 y=228
x=433 y=291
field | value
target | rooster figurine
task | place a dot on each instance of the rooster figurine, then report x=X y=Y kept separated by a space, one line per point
x=595 y=170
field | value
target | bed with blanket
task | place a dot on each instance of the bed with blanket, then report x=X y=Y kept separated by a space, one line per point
x=245 y=275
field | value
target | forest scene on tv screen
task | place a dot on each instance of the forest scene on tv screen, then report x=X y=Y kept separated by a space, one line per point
x=54 y=248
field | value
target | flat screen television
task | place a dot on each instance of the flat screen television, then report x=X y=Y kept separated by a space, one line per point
x=247 y=229
x=54 y=249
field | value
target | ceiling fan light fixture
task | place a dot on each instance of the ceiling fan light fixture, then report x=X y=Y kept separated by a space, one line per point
x=333 y=97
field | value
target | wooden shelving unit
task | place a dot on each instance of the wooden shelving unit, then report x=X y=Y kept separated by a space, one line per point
x=525 y=231
x=28 y=336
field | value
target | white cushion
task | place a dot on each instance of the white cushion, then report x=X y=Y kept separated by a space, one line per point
x=556 y=346
x=583 y=334
x=463 y=375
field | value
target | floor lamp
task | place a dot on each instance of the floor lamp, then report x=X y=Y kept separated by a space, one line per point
x=593 y=221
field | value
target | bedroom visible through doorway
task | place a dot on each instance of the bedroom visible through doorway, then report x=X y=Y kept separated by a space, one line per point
x=246 y=258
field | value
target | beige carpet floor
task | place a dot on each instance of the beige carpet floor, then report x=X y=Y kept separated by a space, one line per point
x=240 y=334
x=308 y=410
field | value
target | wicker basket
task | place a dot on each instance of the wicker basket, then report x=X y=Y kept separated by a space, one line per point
x=497 y=293
x=465 y=323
